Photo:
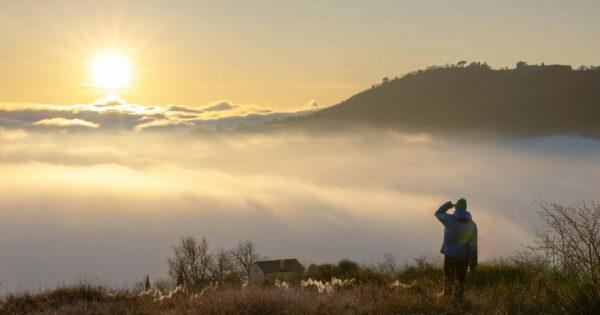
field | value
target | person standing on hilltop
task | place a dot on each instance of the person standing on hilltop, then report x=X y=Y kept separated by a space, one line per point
x=459 y=246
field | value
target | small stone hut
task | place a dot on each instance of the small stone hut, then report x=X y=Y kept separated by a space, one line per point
x=267 y=271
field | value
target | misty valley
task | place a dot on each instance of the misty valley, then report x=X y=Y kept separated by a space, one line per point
x=99 y=205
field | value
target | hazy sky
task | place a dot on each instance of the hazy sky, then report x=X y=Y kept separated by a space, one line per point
x=279 y=54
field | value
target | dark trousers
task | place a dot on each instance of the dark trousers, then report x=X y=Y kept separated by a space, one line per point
x=455 y=270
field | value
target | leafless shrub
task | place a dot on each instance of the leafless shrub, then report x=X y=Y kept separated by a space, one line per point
x=223 y=264
x=195 y=265
x=571 y=240
x=165 y=285
x=244 y=255
x=191 y=263
x=389 y=264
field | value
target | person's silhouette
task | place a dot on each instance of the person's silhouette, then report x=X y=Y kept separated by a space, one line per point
x=459 y=247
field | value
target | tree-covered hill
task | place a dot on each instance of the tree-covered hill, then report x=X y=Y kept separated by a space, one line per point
x=526 y=100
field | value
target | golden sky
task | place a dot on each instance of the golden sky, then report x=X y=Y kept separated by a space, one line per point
x=277 y=54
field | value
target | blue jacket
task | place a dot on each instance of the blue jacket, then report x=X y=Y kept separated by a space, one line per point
x=460 y=234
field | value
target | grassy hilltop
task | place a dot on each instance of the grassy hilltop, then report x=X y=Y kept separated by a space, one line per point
x=511 y=286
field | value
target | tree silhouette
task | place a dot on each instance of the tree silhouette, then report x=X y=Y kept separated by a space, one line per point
x=245 y=255
x=147 y=283
x=191 y=263
x=521 y=65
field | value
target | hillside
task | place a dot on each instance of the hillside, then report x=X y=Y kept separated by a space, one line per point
x=503 y=287
x=527 y=100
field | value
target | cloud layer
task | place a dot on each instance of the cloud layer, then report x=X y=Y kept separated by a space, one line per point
x=110 y=205
x=62 y=122
x=115 y=114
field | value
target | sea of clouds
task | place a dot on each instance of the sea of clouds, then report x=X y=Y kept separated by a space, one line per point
x=112 y=113
x=109 y=204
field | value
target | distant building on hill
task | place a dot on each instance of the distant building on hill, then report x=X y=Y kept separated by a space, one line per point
x=523 y=66
x=266 y=271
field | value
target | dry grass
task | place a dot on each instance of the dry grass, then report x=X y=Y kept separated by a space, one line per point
x=498 y=288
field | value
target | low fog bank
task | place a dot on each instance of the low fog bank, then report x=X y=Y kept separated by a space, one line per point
x=109 y=206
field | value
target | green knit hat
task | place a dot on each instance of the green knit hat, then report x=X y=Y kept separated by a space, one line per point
x=461 y=204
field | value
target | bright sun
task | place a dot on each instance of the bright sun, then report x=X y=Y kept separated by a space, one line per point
x=111 y=69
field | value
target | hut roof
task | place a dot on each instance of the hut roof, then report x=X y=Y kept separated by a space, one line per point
x=280 y=265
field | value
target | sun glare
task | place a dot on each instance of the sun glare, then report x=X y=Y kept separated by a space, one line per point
x=111 y=69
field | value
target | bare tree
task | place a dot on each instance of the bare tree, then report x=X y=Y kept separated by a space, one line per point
x=178 y=269
x=223 y=264
x=245 y=255
x=571 y=240
x=191 y=263
x=389 y=263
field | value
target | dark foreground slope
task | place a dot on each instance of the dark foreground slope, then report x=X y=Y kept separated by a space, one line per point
x=504 y=287
x=528 y=100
